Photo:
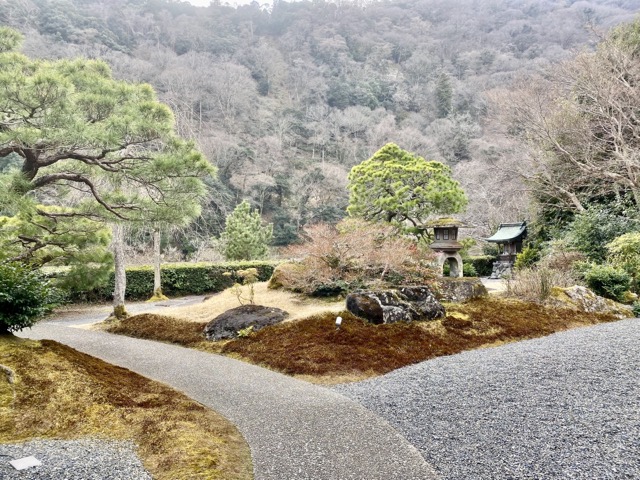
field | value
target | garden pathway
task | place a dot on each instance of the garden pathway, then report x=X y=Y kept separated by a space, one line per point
x=295 y=430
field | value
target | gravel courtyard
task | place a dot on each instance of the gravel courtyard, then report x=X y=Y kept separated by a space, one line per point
x=565 y=406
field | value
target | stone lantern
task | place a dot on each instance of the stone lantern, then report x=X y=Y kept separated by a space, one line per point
x=446 y=245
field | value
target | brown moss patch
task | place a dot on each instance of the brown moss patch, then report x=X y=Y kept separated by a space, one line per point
x=314 y=349
x=62 y=393
x=161 y=328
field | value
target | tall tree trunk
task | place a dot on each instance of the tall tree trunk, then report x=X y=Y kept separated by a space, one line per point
x=157 y=260
x=117 y=243
x=157 y=282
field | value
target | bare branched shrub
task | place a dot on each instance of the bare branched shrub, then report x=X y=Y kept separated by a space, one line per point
x=354 y=253
x=535 y=284
x=560 y=256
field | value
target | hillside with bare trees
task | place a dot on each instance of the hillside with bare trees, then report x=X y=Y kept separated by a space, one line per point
x=285 y=98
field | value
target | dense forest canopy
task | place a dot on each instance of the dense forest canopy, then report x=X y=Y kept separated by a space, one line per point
x=285 y=98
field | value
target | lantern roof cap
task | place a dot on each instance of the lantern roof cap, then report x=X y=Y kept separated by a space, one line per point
x=444 y=223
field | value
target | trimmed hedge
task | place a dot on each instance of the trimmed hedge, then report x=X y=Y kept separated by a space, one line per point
x=482 y=263
x=178 y=279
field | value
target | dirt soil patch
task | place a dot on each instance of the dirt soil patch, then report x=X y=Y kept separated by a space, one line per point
x=298 y=305
x=315 y=350
x=60 y=393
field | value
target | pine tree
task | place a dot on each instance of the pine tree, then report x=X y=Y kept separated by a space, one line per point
x=244 y=236
x=104 y=149
x=444 y=96
x=402 y=188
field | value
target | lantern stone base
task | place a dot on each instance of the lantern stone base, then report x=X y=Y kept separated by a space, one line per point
x=455 y=263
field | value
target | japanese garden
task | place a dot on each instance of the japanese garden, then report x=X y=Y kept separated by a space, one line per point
x=319 y=239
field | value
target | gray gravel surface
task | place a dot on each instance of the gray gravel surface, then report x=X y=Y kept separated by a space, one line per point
x=73 y=460
x=565 y=406
x=295 y=430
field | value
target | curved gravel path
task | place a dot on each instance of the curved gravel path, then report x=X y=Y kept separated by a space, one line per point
x=565 y=406
x=295 y=430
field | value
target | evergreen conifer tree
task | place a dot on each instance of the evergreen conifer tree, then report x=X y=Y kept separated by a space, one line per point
x=244 y=236
x=103 y=150
x=399 y=187
x=444 y=96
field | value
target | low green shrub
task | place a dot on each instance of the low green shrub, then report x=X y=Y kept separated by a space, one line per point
x=608 y=281
x=636 y=308
x=468 y=270
x=527 y=257
x=25 y=296
x=179 y=279
x=483 y=264
x=593 y=229
x=624 y=252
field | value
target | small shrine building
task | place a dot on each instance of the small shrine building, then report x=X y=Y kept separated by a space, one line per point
x=509 y=238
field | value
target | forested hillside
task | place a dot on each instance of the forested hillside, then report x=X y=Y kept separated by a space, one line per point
x=285 y=98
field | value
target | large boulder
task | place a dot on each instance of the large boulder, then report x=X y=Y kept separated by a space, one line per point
x=459 y=290
x=227 y=324
x=405 y=304
x=584 y=300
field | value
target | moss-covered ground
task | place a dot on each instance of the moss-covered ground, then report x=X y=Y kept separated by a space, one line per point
x=57 y=392
x=314 y=349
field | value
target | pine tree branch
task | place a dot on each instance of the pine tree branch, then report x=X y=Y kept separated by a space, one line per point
x=71 y=177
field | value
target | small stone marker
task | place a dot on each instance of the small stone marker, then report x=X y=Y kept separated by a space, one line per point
x=24 y=463
x=338 y=322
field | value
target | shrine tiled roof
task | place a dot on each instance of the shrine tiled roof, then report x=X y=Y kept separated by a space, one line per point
x=508 y=232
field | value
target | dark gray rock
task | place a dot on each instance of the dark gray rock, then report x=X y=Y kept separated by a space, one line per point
x=389 y=306
x=365 y=306
x=230 y=322
x=424 y=301
x=501 y=269
x=460 y=290
x=396 y=314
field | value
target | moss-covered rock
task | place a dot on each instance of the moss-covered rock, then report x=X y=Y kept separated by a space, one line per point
x=584 y=300
x=281 y=273
x=459 y=290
